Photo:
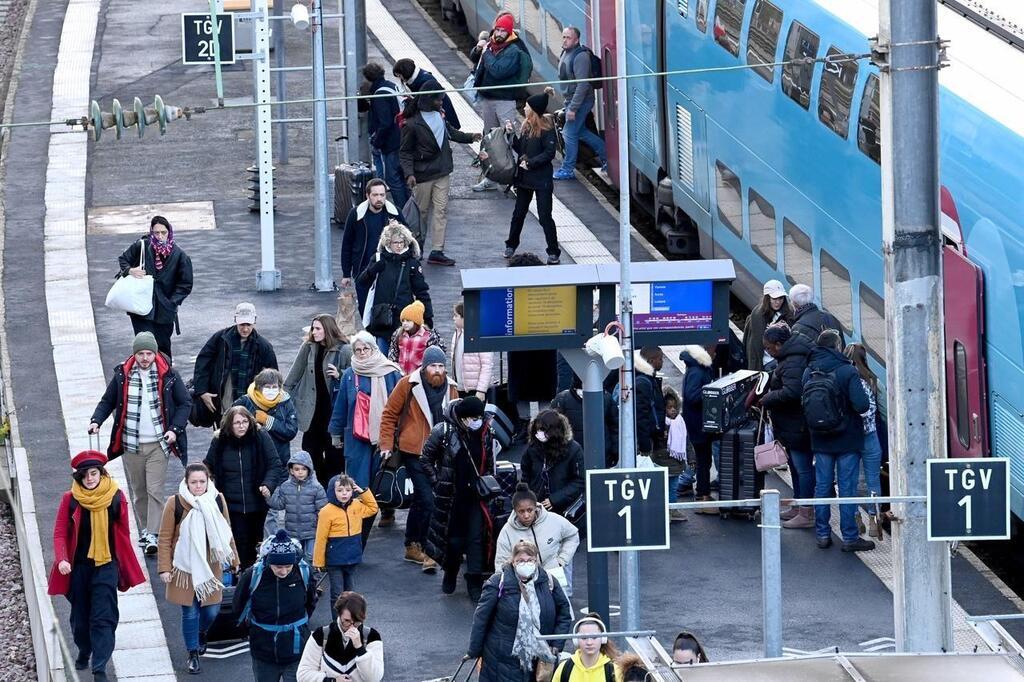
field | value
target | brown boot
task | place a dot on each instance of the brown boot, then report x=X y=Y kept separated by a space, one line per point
x=711 y=511
x=429 y=565
x=789 y=512
x=874 y=527
x=804 y=519
x=414 y=553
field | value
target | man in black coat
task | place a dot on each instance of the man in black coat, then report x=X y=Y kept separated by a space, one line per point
x=363 y=228
x=230 y=360
x=570 y=404
x=385 y=134
x=426 y=158
x=650 y=403
x=415 y=79
x=809 y=320
x=831 y=379
x=145 y=435
x=277 y=609
x=782 y=401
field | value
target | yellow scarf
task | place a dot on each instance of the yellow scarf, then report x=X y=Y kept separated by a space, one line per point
x=261 y=402
x=97 y=502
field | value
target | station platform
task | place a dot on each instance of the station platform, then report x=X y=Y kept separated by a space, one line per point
x=708 y=582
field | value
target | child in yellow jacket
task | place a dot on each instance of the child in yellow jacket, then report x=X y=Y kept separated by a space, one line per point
x=339 y=528
x=592 y=661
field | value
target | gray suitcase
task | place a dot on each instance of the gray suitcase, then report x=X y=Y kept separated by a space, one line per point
x=349 y=188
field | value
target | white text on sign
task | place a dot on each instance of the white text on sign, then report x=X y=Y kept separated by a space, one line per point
x=968 y=478
x=628 y=489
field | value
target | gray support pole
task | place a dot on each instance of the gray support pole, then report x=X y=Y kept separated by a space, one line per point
x=629 y=563
x=593 y=426
x=771 y=573
x=323 y=278
x=268 y=278
x=353 y=45
x=912 y=245
x=277 y=33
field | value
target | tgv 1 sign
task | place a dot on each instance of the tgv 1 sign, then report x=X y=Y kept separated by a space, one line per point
x=969 y=499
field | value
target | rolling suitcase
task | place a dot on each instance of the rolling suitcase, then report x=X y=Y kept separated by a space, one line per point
x=507 y=475
x=738 y=477
x=349 y=188
x=225 y=626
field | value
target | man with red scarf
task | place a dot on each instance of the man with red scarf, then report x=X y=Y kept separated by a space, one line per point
x=150 y=405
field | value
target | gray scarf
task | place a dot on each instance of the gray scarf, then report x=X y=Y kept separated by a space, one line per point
x=528 y=646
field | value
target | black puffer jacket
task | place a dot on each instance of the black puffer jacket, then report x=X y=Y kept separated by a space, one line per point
x=784 y=390
x=570 y=404
x=241 y=465
x=809 y=321
x=650 y=405
x=276 y=601
x=421 y=156
x=497 y=616
x=171 y=284
x=851 y=438
x=539 y=152
x=446 y=445
x=698 y=375
x=555 y=471
x=400 y=281
x=213 y=364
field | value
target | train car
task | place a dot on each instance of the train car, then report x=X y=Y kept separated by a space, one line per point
x=778 y=169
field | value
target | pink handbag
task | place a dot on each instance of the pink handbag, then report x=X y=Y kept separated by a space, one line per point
x=771 y=454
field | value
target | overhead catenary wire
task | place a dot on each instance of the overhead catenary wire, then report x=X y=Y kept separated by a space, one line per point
x=189 y=111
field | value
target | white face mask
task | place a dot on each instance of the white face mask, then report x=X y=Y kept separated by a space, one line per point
x=541 y=436
x=271 y=393
x=526 y=570
x=475 y=424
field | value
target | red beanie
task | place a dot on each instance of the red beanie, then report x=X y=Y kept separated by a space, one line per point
x=506 y=22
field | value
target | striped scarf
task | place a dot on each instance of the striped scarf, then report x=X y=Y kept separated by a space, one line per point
x=133 y=413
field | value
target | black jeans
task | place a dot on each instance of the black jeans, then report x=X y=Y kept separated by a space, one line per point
x=703 y=452
x=422 y=500
x=247 y=529
x=544 y=200
x=328 y=461
x=263 y=671
x=466 y=538
x=94 y=614
x=162 y=332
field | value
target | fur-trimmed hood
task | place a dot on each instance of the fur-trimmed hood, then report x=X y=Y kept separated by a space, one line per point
x=393 y=230
x=695 y=355
x=642 y=366
x=389 y=208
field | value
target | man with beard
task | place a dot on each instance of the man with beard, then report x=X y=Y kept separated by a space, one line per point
x=363 y=227
x=417 y=403
x=426 y=158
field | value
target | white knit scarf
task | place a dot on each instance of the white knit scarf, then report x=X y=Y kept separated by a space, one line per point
x=527 y=646
x=202 y=538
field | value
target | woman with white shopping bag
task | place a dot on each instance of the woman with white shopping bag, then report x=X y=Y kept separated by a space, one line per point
x=195 y=544
x=154 y=263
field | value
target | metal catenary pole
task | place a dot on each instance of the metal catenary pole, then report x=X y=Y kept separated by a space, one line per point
x=629 y=568
x=279 y=61
x=771 y=573
x=353 y=56
x=323 y=277
x=268 y=278
x=912 y=245
x=215 y=7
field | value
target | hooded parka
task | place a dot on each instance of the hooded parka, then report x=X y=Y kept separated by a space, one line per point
x=300 y=500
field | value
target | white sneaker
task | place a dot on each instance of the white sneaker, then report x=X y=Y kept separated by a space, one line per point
x=143 y=534
x=151 y=547
x=485 y=185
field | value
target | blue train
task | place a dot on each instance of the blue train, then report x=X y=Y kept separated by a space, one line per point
x=778 y=169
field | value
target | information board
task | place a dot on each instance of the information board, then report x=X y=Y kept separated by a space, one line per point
x=672 y=306
x=528 y=311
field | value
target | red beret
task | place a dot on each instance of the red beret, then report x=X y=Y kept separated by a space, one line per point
x=87 y=459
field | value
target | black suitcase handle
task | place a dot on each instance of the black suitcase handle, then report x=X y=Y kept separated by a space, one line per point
x=455 y=677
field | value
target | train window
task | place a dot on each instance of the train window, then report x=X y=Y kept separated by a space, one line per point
x=836 y=296
x=701 y=15
x=728 y=21
x=872 y=323
x=765 y=24
x=762 y=227
x=837 y=81
x=801 y=43
x=729 y=198
x=963 y=417
x=869 y=121
x=796 y=253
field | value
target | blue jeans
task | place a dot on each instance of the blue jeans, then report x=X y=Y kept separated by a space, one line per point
x=871 y=461
x=802 y=467
x=196 y=619
x=341 y=580
x=576 y=130
x=390 y=171
x=825 y=474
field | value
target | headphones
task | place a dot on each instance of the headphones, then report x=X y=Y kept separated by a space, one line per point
x=589 y=619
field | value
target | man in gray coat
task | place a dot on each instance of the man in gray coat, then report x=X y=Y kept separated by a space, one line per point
x=579 y=102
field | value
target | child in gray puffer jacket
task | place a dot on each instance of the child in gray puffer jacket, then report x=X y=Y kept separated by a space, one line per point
x=301 y=497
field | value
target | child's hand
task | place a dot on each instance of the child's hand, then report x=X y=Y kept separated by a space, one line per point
x=265 y=491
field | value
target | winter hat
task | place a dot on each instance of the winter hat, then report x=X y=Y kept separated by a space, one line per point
x=469 y=408
x=539 y=102
x=144 y=341
x=280 y=550
x=433 y=355
x=506 y=22
x=414 y=312
x=86 y=459
x=774 y=289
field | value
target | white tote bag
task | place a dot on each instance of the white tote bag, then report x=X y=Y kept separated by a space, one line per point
x=132 y=294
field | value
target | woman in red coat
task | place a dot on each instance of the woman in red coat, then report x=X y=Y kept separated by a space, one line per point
x=93 y=558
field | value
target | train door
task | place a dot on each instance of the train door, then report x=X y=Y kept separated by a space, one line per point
x=609 y=93
x=964 y=308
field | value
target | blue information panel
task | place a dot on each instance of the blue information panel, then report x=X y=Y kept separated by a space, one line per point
x=673 y=306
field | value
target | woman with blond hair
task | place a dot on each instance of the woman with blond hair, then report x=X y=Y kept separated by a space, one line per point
x=535 y=146
x=397 y=278
x=313 y=383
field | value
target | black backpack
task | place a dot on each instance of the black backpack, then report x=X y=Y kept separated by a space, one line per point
x=824 y=403
x=609 y=671
x=596 y=69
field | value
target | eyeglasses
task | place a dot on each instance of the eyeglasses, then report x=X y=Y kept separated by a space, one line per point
x=398 y=242
x=348 y=622
x=362 y=350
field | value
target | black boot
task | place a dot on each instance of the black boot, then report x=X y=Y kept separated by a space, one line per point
x=474 y=586
x=82 y=662
x=193 y=663
x=202 y=643
x=451 y=579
